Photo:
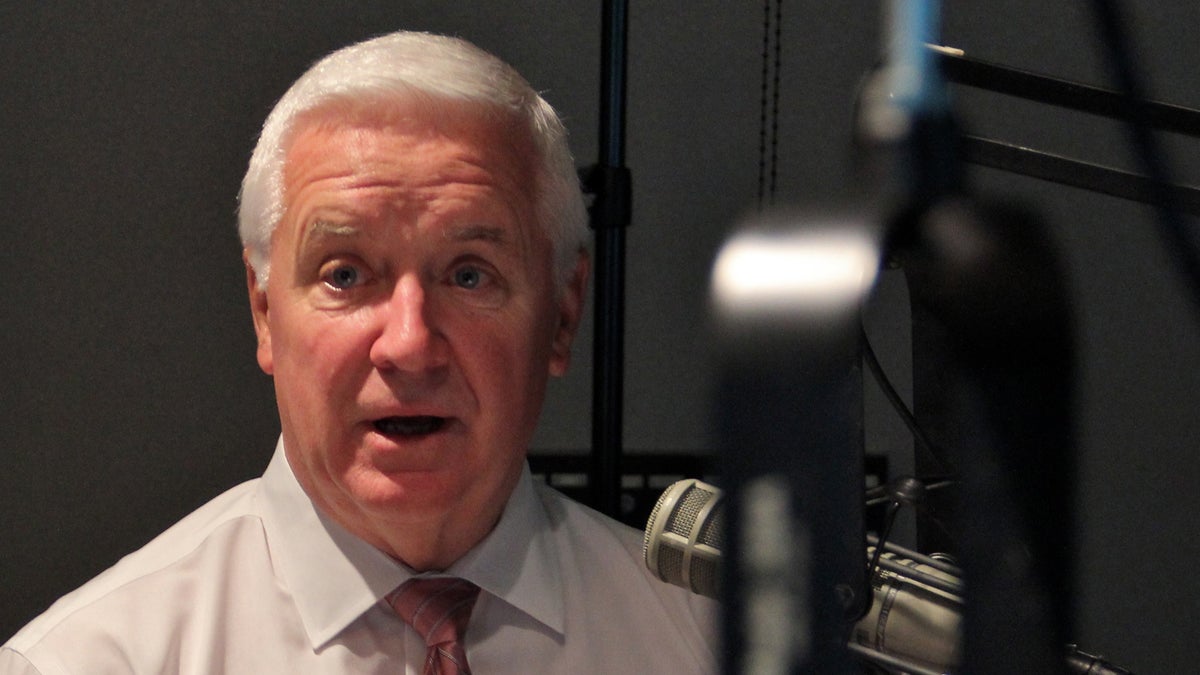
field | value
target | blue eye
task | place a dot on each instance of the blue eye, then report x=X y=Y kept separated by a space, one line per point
x=468 y=277
x=343 y=277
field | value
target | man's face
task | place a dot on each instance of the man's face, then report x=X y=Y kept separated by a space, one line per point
x=410 y=324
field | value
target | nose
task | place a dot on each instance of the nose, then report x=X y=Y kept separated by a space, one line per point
x=409 y=339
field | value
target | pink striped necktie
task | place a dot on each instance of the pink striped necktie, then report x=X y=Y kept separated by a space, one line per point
x=438 y=609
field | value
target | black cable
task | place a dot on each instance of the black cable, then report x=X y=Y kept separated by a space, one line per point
x=901 y=407
x=762 y=105
x=888 y=521
x=768 y=117
x=1182 y=243
x=775 y=99
x=885 y=494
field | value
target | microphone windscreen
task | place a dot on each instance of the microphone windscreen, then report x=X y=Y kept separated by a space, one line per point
x=685 y=535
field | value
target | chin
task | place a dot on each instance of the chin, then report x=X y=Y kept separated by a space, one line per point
x=403 y=492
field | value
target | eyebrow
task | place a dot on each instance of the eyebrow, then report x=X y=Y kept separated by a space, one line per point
x=325 y=228
x=321 y=229
x=488 y=233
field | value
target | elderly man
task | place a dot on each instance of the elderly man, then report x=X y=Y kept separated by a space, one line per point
x=414 y=245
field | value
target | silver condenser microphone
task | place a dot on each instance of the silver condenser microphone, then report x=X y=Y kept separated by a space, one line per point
x=683 y=543
x=914 y=622
x=684 y=537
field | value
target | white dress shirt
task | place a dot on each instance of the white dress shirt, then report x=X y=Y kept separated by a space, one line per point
x=259 y=581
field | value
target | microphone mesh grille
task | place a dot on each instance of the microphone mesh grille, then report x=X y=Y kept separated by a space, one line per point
x=705 y=577
x=684 y=516
x=671 y=552
x=670 y=564
x=712 y=531
x=704 y=574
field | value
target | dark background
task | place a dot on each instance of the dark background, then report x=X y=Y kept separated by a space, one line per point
x=129 y=393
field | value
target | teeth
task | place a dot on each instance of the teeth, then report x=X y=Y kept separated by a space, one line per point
x=409 y=426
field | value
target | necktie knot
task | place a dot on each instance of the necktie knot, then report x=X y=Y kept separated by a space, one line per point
x=438 y=609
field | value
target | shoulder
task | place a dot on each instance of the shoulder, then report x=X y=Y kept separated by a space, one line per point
x=148 y=589
x=591 y=537
x=609 y=584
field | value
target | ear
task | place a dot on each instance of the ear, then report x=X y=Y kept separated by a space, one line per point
x=259 y=310
x=570 y=313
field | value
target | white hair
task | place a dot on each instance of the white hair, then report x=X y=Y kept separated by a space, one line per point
x=400 y=67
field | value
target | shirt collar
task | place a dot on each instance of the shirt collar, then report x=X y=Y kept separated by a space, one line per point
x=335 y=577
x=518 y=562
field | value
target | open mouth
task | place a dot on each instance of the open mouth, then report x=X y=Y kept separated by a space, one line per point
x=409 y=426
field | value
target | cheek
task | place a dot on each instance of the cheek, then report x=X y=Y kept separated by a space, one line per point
x=505 y=359
x=316 y=357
